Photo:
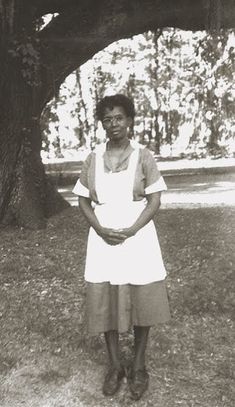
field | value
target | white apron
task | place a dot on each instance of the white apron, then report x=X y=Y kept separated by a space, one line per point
x=136 y=261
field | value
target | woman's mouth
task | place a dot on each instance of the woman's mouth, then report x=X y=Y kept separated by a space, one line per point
x=115 y=132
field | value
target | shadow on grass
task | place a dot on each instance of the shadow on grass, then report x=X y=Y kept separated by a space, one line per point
x=47 y=358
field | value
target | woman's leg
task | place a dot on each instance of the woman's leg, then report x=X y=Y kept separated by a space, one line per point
x=138 y=377
x=116 y=372
x=141 y=339
x=112 y=343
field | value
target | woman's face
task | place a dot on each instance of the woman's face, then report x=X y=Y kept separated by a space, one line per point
x=116 y=123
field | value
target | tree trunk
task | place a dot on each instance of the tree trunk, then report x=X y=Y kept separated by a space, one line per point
x=26 y=195
x=213 y=122
x=158 y=135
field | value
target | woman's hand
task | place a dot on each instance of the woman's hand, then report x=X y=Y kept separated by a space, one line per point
x=128 y=232
x=153 y=203
x=111 y=236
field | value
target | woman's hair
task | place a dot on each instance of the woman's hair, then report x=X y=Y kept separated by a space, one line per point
x=117 y=100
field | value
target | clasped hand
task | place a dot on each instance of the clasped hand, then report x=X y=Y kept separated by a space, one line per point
x=115 y=236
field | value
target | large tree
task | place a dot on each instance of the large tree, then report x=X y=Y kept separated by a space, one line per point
x=34 y=62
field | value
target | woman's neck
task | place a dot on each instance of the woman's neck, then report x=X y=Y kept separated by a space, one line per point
x=118 y=144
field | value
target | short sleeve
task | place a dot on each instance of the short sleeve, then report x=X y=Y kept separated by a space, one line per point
x=154 y=182
x=81 y=187
x=80 y=190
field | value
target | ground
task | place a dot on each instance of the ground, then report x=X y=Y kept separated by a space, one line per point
x=48 y=360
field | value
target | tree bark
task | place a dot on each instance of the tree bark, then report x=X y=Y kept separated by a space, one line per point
x=26 y=196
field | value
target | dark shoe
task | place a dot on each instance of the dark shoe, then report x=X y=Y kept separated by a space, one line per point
x=113 y=380
x=138 y=382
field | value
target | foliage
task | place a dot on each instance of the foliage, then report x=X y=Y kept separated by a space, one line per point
x=182 y=85
x=26 y=52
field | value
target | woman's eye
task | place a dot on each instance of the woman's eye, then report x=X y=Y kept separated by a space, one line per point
x=109 y=121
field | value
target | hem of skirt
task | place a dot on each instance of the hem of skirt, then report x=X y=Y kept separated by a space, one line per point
x=127 y=329
x=126 y=282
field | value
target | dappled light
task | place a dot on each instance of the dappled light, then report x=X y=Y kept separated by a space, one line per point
x=51 y=361
x=175 y=60
x=163 y=71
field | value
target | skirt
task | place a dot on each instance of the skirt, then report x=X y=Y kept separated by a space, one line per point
x=119 y=307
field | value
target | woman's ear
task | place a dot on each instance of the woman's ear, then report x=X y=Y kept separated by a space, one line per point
x=130 y=121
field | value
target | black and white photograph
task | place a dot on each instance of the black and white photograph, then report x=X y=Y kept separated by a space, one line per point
x=117 y=203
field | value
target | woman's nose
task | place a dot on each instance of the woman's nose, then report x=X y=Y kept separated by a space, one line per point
x=114 y=120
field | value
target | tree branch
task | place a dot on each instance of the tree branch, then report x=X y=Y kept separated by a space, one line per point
x=82 y=30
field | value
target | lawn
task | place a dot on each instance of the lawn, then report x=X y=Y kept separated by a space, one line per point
x=48 y=360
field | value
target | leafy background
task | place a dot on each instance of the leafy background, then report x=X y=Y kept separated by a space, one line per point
x=182 y=84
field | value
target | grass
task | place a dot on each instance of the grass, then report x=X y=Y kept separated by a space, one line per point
x=48 y=360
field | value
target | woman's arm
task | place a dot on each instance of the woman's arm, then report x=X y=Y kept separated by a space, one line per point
x=154 y=202
x=110 y=236
x=88 y=212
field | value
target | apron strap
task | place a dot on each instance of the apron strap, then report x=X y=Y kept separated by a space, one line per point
x=133 y=163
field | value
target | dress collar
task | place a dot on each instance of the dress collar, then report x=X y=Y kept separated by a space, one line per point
x=101 y=148
x=101 y=151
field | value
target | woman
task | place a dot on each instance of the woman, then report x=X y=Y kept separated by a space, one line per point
x=119 y=194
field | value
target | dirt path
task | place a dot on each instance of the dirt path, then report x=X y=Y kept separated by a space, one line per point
x=188 y=191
